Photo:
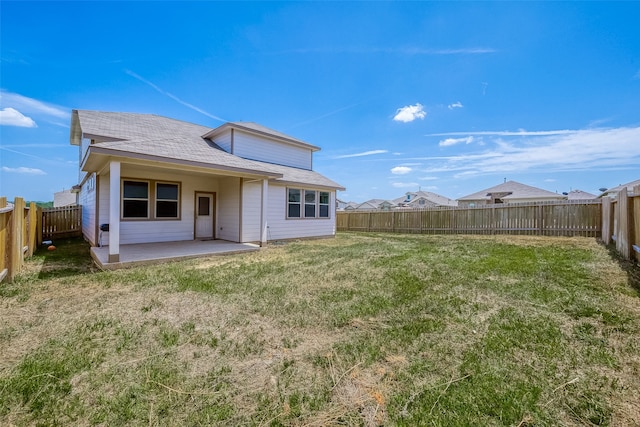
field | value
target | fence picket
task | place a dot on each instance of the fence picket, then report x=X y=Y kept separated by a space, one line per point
x=547 y=219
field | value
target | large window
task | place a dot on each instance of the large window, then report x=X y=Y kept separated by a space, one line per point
x=307 y=203
x=150 y=200
x=135 y=199
x=166 y=200
x=294 y=203
x=323 y=204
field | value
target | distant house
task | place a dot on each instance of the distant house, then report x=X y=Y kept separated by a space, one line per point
x=349 y=206
x=375 y=204
x=580 y=195
x=64 y=198
x=156 y=179
x=423 y=199
x=509 y=192
x=411 y=200
x=613 y=192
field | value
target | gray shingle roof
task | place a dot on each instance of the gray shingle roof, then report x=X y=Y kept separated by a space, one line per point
x=580 y=195
x=434 y=198
x=170 y=139
x=614 y=191
x=515 y=189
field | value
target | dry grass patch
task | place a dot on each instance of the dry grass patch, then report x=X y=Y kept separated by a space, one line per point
x=364 y=329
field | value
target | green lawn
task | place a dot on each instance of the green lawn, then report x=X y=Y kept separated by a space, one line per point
x=364 y=329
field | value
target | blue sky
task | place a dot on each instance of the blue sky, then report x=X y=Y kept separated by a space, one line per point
x=445 y=97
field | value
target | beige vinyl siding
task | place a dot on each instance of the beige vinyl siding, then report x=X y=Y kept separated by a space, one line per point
x=228 y=216
x=251 y=211
x=224 y=141
x=282 y=228
x=265 y=150
x=87 y=199
x=82 y=151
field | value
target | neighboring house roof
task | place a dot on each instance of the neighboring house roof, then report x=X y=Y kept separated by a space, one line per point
x=434 y=198
x=512 y=190
x=374 y=204
x=580 y=195
x=613 y=191
x=152 y=137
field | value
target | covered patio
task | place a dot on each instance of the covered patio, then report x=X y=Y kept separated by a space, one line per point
x=156 y=253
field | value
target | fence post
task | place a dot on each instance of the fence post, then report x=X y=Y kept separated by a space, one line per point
x=15 y=238
x=5 y=223
x=622 y=236
x=607 y=220
x=39 y=225
x=636 y=220
x=33 y=223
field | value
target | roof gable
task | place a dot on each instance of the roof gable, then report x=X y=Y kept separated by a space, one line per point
x=257 y=129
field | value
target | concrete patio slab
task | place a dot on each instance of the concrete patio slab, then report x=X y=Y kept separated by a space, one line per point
x=155 y=253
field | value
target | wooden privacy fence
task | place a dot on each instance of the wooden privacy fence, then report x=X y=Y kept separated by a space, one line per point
x=62 y=222
x=23 y=228
x=569 y=218
x=18 y=235
x=621 y=222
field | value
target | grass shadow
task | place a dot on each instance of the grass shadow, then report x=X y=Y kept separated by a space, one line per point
x=630 y=267
x=70 y=257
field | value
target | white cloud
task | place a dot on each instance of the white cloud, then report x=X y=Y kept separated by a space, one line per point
x=453 y=141
x=519 y=132
x=31 y=106
x=405 y=184
x=428 y=178
x=410 y=113
x=550 y=180
x=455 y=105
x=401 y=170
x=24 y=171
x=546 y=151
x=365 y=153
x=12 y=117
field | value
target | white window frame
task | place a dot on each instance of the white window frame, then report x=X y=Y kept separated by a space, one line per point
x=302 y=204
x=152 y=200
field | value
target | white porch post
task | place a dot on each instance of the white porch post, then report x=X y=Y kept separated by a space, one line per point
x=263 y=215
x=114 y=212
